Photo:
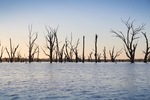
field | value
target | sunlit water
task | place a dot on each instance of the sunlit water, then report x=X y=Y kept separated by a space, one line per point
x=71 y=81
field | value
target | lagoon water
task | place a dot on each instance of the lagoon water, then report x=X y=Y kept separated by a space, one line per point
x=75 y=81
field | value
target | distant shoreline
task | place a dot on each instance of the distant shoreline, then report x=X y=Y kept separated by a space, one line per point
x=73 y=60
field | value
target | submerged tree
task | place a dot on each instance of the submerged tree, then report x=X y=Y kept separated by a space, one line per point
x=32 y=46
x=50 y=41
x=104 y=54
x=67 y=58
x=75 y=50
x=1 y=54
x=12 y=52
x=147 y=51
x=90 y=56
x=71 y=49
x=99 y=57
x=38 y=54
x=83 y=58
x=96 y=36
x=148 y=58
x=61 y=52
x=54 y=31
x=114 y=56
x=18 y=59
x=69 y=53
x=129 y=39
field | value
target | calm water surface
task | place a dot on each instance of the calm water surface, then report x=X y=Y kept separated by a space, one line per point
x=71 y=81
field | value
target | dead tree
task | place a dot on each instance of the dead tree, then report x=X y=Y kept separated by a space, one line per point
x=69 y=53
x=148 y=58
x=32 y=46
x=147 y=51
x=129 y=39
x=71 y=49
x=12 y=52
x=67 y=58
x=90 y=56
x=38 y=54
x=54 y=32
x=99 y=57
x=56 y=54
x=96 y=36
x=61 y=54
x=50 y=41
x=1 y=54
x=75 y=50
x=83 y=58
x=114 y=56
x=104 y=54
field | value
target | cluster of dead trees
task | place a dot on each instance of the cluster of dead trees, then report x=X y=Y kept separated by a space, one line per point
x=68 y=50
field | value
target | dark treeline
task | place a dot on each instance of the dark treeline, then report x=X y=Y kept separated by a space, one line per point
x=68 y=52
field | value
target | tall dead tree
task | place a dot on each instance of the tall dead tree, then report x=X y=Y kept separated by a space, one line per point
x=69 y=53
x=61 y=54
x=54 y=31
x=67 y=58
x=38 y=54
x=32 y=46
x=75 y=50
x=104 y=54
x=50 y=41
x=148 y=58
x=129 y=39
x=114 y=56
x=71 y=49
x=12 y=52
x=96 y=36
x=1 y=54
x=83 y=58
x=147 y=51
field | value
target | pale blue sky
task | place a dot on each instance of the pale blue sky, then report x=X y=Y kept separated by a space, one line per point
x=81 y=17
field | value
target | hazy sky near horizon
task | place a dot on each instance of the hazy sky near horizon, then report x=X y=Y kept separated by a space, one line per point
x=79 y=17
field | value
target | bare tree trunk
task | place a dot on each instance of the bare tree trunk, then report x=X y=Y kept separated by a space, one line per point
x=76 y=54
x=50 y=40
x=38 y=52
x=56 y=56
x=147 y=51
x=129 y=39
x=104 y=51
x=57 y=46
x=51 y=55
x=83 y=58
x=71 y=49
x=31 y=45
x=148 y=58
x=114 y=56
x=90 y=56
x=99 y=57
x=66 y=50
x=96 y=36
x=12 y=52
x=1 y=54
x=75 y=50
x=61 y=54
